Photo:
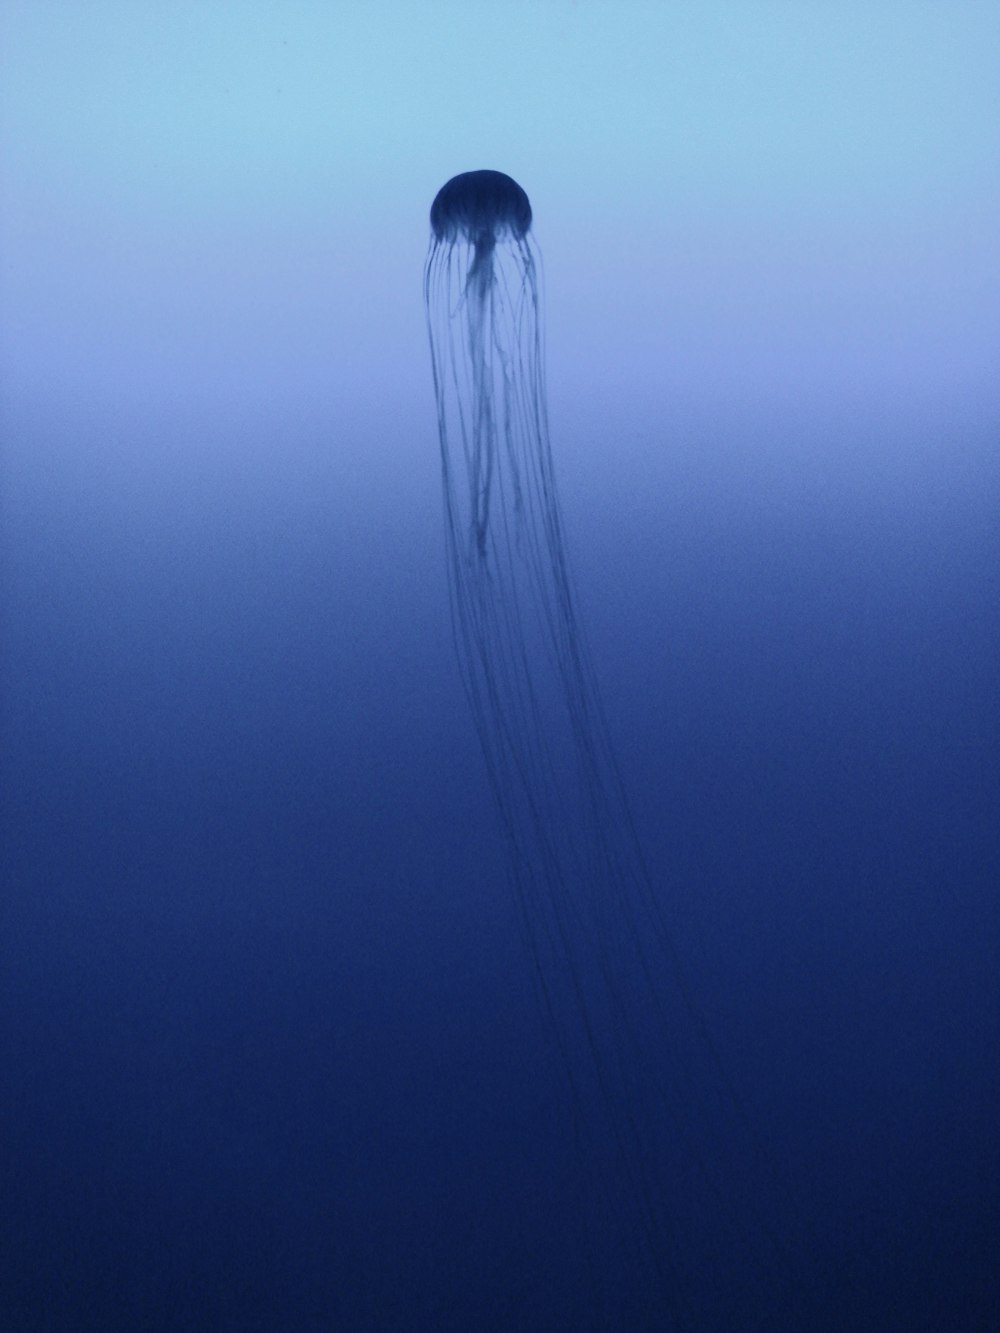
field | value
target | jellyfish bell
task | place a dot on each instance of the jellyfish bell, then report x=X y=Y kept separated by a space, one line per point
x=480 y=207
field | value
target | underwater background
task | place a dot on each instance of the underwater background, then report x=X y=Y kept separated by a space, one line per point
x=272 y=1056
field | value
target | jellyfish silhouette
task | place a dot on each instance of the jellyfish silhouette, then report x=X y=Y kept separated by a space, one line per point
x=673 y=1229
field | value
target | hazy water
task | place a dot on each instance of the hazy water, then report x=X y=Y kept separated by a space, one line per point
x=272 y=1055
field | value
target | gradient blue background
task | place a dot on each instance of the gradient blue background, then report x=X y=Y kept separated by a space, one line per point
x=270 y=1057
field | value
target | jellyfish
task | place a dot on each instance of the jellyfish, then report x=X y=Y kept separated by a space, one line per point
x=664 y=1228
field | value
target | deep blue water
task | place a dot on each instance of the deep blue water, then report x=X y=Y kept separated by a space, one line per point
x=272 y=1056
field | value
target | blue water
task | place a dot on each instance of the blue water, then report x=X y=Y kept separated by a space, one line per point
x=280 y=1050
x=273 y=1058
